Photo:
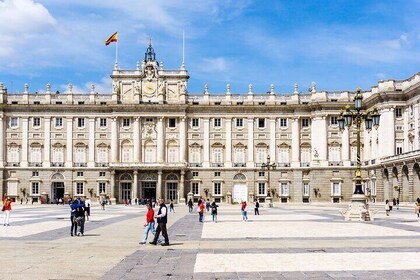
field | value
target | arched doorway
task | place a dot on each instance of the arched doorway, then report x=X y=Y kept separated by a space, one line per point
x=148 y=186
x=416 y=181
x=126 y=182
x=172 y=187
x=240 y=188
x=57 y=187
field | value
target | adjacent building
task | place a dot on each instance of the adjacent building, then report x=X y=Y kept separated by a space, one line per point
x=149 y=137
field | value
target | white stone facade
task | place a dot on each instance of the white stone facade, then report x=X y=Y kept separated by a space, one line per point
x=150 y=137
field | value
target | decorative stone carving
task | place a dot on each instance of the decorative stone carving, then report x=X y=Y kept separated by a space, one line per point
x=149 y=131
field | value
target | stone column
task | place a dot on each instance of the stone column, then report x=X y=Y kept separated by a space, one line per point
x=136 y=136
x=387 y=133
x=323 y=135
x=91 y=161
x=250 y=142
x=345 y=147
x=2 y=147
x=159 y=185
x=228 y=162
x=47 y=141
x=160 y=140
x=295 y=142
x=24 y=162
x=182 y=188
x=135 y=185
x=319 y=138
x=405 y=131
x=69 y=143
x=114 y=140
x=182 y=140
x=273 y=154
x=112 y=191
x=416 y=127
x=206 y=146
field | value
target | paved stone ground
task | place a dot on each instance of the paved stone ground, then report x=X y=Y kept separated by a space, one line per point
x=287 y=242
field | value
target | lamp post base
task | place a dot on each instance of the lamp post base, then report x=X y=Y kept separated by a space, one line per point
x=358 y=209
x=268 y=202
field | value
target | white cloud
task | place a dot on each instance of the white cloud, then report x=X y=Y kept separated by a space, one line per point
x=211 y=65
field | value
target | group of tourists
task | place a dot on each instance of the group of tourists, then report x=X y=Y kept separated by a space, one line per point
x=79 y=213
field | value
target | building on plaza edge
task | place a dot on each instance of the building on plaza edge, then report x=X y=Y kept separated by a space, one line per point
x=151 y=138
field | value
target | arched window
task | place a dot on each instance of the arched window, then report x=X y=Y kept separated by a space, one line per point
x=239 y=177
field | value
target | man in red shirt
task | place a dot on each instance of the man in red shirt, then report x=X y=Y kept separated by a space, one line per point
x=150 y=223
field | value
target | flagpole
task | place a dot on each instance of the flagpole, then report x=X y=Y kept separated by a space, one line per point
x=116 y=54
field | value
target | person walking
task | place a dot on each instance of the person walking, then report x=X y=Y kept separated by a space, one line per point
x=171 y=206
x=208 y=205
x=244 y=211
x=73 y=221
x=7 y=207
x=200 y=210
x=214 y=211
x=150 y=224
x=88 y=203
x=417 y=209
x=190 y=205
x=80 y=218
x=387 y=207
x=256 y=207
x=162 y=220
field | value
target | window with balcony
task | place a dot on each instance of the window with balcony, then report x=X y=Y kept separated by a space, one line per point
x=217 y=155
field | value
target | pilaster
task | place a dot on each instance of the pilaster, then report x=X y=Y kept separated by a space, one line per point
x=182 y=139
x=273 y=154
x=114 y=140
x=159 y=185
x=91 y=160
x=160 y=140
x=206 y=146
x=250 y=142
x=136 y=136
x=25 y=135
x=47 y=141
x=416 y=126
x=228 y=161
x=2 y=147
x=69 y=142
x=295 y=142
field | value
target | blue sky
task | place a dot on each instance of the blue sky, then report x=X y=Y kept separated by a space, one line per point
x=341 y=45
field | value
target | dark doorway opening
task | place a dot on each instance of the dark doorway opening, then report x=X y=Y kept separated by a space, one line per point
x=149 y=190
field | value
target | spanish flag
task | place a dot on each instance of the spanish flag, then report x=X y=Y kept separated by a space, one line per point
x=112 y=38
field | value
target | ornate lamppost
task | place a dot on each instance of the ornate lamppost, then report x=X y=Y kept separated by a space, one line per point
x=358 y=209
x=268 y=166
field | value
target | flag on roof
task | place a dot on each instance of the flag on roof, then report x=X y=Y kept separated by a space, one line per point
x=112 y=38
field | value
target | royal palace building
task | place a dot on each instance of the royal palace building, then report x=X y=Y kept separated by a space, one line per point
x=149 y=137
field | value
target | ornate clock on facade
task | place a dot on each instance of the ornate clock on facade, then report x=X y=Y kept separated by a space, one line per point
x=149 y=88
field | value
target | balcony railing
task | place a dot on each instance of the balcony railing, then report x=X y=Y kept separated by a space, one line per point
x=239 y=164
x=335 y=163
x=258 y=164
x=35 y=164
x=102 y=164
x=80 y=164
x=283 y=164
x=196 y=164
x=57 y=164
x=14 y=164
x=304 y=164
x=214 y=164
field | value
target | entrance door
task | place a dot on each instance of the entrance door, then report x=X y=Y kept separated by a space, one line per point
x=172 y=188
x=125 y=190
x=240 y=192
x=148 y=190
x=58 y=190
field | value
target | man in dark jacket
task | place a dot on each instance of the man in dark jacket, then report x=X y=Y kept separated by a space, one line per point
x=162 y=220
x=80 y=218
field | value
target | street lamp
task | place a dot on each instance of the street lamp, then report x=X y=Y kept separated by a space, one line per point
x=349 y=118
x=268 y=166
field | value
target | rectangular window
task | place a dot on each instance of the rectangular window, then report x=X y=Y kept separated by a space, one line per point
x=217 y=155
x=305 y=189
x=261 y=174
x=79 y=174
x=102 y=122
x=195 y=123
x=283 y=123
x=35 y=173
x=305 y=122
x=239 y=123
x=217 y=189
x=217 y=122
x=399 y=150
x=79 y=188
x=284 y=189
x=398 y=112
x=334 y=120
x=336 y=189
x=195 y=189
x=102 y=174
x=80 y=102
x=80 y=122
x=261 y=123
x=102 y=187
x=172 y=123
x=195 y=173
x=58 y=122
x=35 y=188
x=261 y=189
x=126 y=122
x=149 y=119
x=36 y=122
x=14 y=122
x=216 y=174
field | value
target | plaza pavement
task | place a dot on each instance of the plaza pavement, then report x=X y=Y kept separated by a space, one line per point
x=292 y=241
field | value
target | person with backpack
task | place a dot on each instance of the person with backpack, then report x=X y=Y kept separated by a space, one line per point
x=80 y=218
x=171 y=206
x=190 y=205
x=214 y=211
x=256 y=206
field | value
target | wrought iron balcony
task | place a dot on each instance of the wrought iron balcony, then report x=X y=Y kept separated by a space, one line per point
x=239 y=164
x=219 y=164
x=57 y=164
x=80 y=164
x=35 y=164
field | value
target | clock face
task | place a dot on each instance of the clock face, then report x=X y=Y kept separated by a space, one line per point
x=149 y=88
